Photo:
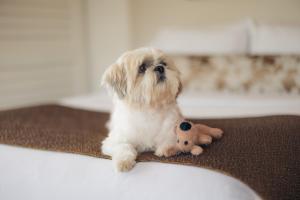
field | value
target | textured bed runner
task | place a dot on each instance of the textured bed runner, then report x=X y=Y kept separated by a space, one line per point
x=263 y=152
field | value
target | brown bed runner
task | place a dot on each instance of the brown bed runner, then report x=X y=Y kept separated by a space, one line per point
x=263 y=152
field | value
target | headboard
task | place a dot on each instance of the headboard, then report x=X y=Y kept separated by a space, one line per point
x=246 y=57
x=241 y=73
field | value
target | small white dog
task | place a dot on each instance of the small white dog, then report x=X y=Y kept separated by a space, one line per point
x=145 y=85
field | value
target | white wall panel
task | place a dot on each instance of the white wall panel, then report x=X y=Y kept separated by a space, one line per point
x=42 y=55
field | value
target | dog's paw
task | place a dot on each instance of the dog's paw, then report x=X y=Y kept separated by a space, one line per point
x=172 y=151
x=123 y=157
x=124 y=165
x=216 y=132
x=159 y=153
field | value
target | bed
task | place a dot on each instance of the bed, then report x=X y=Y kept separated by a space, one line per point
x=35 y=174
x=42 y=174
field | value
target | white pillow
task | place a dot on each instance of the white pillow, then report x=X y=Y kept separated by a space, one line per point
x=226 y=40
x=275 y=39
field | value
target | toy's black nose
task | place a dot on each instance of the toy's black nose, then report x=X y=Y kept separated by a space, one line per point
x=185 y=126
x=160 y=69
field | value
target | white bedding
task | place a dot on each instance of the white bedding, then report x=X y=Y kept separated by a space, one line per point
x=208 y=105
x=33 y=174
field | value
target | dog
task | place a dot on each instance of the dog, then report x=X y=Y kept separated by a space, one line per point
x=144 y=84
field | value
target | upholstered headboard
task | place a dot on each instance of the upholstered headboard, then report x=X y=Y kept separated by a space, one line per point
x=246 y=57
x=241 y=74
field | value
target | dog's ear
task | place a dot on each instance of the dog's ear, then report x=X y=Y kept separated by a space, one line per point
x=179 y=89
x=115 y=78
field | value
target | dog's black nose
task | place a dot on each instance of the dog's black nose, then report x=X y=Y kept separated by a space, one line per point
x=160 y=69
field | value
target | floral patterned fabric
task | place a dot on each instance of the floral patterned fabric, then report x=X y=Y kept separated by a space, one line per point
x=241 y=74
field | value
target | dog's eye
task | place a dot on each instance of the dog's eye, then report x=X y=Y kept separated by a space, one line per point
x=186 y=142
x=142 y=68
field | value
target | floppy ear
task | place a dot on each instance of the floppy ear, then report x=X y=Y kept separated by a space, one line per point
x=179 y=89
x=115 y=78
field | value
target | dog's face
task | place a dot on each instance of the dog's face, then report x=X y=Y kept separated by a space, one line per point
x=144 y=77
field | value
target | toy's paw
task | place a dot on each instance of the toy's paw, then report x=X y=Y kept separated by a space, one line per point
x=205 y=139
x=196 y=150
x=124 y=165
x=216 y=132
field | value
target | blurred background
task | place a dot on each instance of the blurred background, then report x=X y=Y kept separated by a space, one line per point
x=53 y=49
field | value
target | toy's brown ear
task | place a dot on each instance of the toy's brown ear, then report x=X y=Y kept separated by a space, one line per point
x=115 y=77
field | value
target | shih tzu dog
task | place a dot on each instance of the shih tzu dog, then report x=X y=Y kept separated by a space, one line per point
x=145 y=84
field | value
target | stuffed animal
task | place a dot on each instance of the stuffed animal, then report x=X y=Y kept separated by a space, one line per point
x=190 y=136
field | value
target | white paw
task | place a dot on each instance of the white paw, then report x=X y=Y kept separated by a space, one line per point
x=124 y=165
x=167 y=152
x=123 y=157
x=159 y=153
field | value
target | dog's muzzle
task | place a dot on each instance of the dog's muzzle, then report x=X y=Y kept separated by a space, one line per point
x=160 y=72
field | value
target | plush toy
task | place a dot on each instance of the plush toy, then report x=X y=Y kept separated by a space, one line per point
x=190 y=136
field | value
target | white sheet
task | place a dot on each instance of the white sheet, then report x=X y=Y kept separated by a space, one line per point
x=33 y=174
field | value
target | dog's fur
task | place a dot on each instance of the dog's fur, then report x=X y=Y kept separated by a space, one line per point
x=145 y=111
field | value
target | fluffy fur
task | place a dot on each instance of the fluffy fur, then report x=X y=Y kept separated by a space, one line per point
x=145 y=111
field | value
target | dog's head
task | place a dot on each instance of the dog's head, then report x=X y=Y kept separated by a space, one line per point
x=144 y=77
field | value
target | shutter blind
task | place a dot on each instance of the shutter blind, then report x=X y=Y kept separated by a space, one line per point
x=41 y=51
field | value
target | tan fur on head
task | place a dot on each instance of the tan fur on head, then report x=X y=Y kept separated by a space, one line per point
x=143 y=89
